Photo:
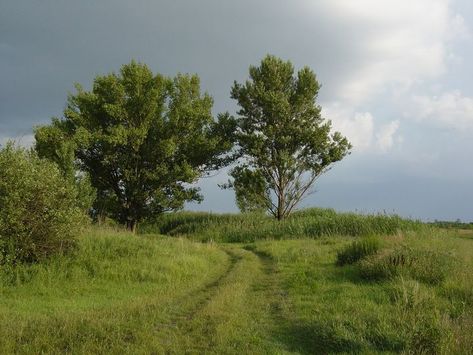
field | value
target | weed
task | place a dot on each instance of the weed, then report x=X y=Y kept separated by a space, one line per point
x=358 y=249
x=424 y=265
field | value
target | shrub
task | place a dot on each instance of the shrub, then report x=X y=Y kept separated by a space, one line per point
x=357 y=250
x=423 y=265
x=39 y=212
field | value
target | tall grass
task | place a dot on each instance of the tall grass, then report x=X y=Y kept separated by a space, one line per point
x=244 y=228
x=105 y=297
x=424 y=265
x=358 y=249
x=114 y=258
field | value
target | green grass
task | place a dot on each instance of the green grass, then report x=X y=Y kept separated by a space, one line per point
x=96 y=299
x=264 y=293
x=358 y=249
x=333 y=309
x=244 y=228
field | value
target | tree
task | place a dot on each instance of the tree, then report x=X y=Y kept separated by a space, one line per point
x=283 y=141
x=52 y=144
x=142 y=138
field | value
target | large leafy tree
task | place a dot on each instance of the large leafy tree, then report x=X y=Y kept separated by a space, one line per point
x=142 y=139
x=283 y=140
x=52 y=143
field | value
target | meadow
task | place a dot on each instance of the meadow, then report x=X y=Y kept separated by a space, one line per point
x=319 y=282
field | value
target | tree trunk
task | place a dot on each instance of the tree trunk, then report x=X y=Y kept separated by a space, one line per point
x=281 y=195
x=280 y=215
x=101 y=218
x=131 y=225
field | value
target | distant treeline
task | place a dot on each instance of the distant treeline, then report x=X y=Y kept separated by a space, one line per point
x=453 y=224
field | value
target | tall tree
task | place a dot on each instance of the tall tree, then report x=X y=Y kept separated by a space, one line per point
x=52 y=143
x=283 y=140
x=142 y=138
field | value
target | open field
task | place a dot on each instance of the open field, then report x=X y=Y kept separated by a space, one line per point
x=319 y=283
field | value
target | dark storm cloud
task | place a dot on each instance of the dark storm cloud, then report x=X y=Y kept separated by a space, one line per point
x=46 y=46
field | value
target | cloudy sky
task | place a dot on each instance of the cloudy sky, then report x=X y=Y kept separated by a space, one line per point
x=396 y=79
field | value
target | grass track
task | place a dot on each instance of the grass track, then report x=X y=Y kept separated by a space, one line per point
x=237 y=315
x=159 y=295
x=231 y=311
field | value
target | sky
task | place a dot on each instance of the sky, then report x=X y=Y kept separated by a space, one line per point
x=395 y=74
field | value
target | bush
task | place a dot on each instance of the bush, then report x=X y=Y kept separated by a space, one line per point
x=357 y=250
x=427 y=266
x=39 y=212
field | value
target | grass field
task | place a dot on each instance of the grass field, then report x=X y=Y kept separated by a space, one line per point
x=319 y=283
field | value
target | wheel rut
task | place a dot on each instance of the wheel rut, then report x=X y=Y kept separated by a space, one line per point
x=195 y=301
x=270 y=285
x=236 y=313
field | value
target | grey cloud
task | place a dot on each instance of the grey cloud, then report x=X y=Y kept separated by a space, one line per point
x=46 y=46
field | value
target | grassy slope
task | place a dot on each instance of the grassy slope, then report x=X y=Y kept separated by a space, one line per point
x=108 y=296
x=152 y=294
x=333 y=309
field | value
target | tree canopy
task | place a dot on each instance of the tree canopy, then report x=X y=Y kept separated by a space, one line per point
x=282 y=139
x=142 y=138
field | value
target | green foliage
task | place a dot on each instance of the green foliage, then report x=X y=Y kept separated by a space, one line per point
x=53 y=144
x=244 y=228
x=40 y=214
x=425 y=265
x=284 y=141
x=142 y=138
x=358 y=249
x=453 y=224
x=251 y=192
x=86 y=193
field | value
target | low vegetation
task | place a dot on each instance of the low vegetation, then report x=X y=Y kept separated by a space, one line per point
x=358 y=250
x=420 y=264
x=249 y=227
x=405 y=289
x=424 y=309
x=114 y=293
x=453 y=225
